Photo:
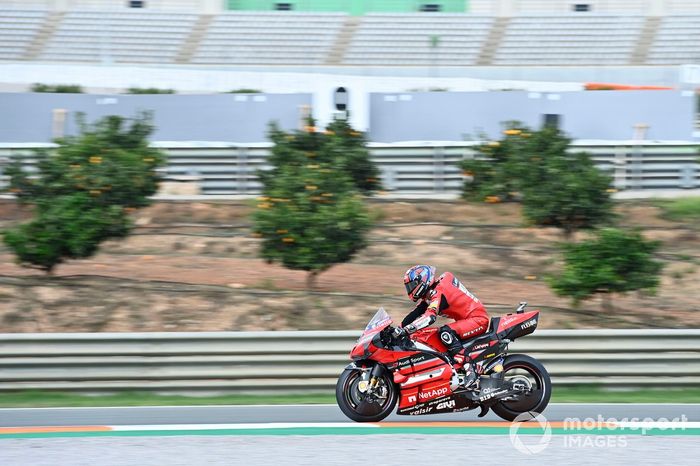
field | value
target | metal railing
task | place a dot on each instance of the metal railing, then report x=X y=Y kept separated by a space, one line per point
x=311 y=361
x=425 y=167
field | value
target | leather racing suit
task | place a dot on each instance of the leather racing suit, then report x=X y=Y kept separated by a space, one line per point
x=450 y=298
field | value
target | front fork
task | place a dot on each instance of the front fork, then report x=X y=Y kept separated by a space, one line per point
x=370 y=379
x=374 y=375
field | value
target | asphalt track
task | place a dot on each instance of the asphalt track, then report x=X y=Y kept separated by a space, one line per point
x=640 y=434
x=19 y=417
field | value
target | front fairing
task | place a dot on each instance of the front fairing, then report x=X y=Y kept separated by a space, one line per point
x=366 y=344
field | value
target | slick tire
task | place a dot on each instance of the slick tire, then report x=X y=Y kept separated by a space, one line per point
x=350 y=400
x=534 y=404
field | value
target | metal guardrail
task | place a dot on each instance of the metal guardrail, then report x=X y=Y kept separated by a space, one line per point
x=311 y=361
x=423 y=167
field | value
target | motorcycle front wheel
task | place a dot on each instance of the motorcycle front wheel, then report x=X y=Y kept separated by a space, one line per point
x=523 y=369
x=359 y=407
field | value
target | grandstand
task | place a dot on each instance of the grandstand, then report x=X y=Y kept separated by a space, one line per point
x=418 y=39
x=123 y=36
x=531 y=32
x=269 y=38
x=677 y=41
x=569 y=39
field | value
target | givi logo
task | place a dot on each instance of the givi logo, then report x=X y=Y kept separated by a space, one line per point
x=430 y=394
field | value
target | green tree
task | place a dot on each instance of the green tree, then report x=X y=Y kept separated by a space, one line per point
x=71 y=226
x=556 y=188
x=498 y=171
x=565 y=190
x=350 y=146
x=614 y=261
x=83 y=190
x=311 y=215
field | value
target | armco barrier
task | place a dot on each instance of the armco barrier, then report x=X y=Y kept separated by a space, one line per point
x=312 y=360
x=414 y=168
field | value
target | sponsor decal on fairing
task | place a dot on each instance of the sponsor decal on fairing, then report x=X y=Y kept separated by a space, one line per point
x=432 y=393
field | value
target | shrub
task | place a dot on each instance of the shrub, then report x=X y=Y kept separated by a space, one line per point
x=149 y=90
x=311 y=215
x=57 y=88
x=534 y=167
x=83 y=191
x=614 y=261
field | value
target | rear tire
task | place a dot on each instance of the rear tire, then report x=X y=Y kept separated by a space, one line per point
x=352 y=403
x=538 y=399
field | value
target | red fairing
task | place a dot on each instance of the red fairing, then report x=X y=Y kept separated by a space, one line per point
x=515 y=319
x=422 y=374
x=430 y=337
x=420 y=387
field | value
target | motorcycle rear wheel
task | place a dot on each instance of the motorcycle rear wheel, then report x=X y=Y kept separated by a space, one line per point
x=537 y=400
x=356 y=406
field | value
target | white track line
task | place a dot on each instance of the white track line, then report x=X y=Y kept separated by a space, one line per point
x=674 y=425
x=271 y=425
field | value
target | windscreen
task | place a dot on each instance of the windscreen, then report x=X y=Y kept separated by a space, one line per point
x=381 y=318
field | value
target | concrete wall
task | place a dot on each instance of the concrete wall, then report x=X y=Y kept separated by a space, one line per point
x=453 y=116
x=220 y=117
x=417 y=116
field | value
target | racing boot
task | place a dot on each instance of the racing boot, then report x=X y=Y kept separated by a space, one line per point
x=454 y=345
x=469 y=375
x=458 y=355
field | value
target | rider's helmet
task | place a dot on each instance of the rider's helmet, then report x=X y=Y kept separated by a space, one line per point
x=418 y=280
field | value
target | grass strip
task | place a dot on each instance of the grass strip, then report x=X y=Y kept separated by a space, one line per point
x=682 y=209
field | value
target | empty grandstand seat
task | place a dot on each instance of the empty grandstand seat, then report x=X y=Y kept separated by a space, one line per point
x=120 y=36
x=677 y=41
x=408 y=39
x=269 y=37
x=570 y=38
x=18 y=28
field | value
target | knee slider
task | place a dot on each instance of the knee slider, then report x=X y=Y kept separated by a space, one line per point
x=448 y=336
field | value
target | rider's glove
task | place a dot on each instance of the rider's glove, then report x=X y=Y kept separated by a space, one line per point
x=399 y=332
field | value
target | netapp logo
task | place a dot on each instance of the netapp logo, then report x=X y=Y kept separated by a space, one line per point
x=432 y=393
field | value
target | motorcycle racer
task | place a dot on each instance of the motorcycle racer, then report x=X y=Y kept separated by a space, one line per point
x=446 y=296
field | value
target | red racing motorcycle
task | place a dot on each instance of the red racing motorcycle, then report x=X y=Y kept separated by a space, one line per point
x=417 y=374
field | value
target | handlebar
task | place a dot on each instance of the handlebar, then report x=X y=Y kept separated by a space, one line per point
x=388 y=337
